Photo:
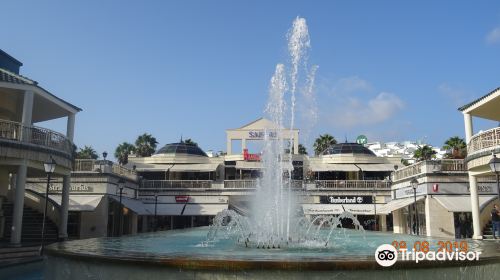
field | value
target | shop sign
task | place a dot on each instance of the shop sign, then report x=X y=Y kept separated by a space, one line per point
x=259 y=134
x=346 y=199
x=408 y=191
x=250 y=157
x=181 y=199
x=72 y=188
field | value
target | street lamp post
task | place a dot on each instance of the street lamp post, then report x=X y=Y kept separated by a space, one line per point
x=121 y=182
x=156 y=207
x=414 y=185
x=375 y=208
x=49 y=167
x=104 y=155
x=495 y=168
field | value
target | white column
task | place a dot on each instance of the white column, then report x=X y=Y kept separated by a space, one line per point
x=27 y=113
x=428 y=219
x=243 y=144
x=17 y=217
x=229 y=146
x=63 y=223
x=70 y=127
x=383 y=223
x=296 y=144
x=468 y=127
x=474 y=200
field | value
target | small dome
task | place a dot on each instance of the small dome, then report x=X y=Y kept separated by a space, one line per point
x=181 y=148
x=348 y=148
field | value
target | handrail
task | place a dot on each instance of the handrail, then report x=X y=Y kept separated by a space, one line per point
x=252 y=184
x=35 y=135
x=484 y=140
x=353 y=184
x=92 y=165
x=443 y=165
x=408 y=171
x=175 y=184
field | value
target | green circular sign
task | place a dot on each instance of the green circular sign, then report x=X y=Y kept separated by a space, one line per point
x=362 y=140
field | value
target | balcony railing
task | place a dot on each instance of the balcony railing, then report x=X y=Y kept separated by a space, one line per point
x=92 y=165
x=353 y=184
x=15 y=131
x=175 y=184
x=252 y=184
x=484 y=141
x=429 y=166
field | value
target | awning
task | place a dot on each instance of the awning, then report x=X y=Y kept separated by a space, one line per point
x=80 y=202
x=461 y=203
x=133 y=204
x=201 y=167
x=322 y=209
x=203 y=209
x=324 y=167
x=397 y=204
x=361 y=209
x=165 y=209
x=248 y=165
x=376 y=167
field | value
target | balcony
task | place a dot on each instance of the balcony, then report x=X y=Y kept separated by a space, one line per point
x=252 y=184
x=17 y=132
x=485 y=141
x=92 y=165
x=353 y=185
x=430 y=166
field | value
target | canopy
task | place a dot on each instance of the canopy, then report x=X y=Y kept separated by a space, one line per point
x=248 y=165
x=203 y=209
x=376 y=167
x=397 y=204
x=80 y=202
x=133 y=204
x=322 y=209
x=461 y=203
x=361 y=209
x=325 y=167
x=201 y=167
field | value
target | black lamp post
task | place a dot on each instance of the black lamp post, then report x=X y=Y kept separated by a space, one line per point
x=414 y=185
x=104 y=155
x=49 y=167
x=156 y=206
x=495 y=168
x=121 y=182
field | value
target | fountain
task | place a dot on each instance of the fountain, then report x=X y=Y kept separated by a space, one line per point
x=275 y=240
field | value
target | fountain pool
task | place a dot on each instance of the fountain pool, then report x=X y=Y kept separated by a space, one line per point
x=184 y=254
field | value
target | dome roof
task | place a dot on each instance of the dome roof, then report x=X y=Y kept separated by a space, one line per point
x=181 y=148
x=348 y=148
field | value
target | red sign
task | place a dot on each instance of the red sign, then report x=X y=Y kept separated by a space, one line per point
x=250 y=157
x=435 y=188
x=181 y=198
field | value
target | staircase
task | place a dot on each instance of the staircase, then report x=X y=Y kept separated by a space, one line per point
x=14 y=256
x=32 y=226
x=488 y=231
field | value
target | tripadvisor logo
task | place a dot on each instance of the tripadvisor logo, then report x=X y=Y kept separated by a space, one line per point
x=386 y=255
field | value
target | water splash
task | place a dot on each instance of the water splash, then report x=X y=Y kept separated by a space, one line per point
x=276 y=219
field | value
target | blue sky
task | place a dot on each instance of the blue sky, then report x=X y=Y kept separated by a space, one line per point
x=391 y=70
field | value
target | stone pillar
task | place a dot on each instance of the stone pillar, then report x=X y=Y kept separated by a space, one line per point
x=229 y=147
x=63 y=221
x=474 y=200
x=17 y=217
x=296 y=143
x=243 y=144
x=383 y=222
x=428 y=218
x=469 y=129
x=27 y=114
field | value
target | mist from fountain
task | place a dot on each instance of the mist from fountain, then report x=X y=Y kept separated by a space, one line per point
x=276 y=219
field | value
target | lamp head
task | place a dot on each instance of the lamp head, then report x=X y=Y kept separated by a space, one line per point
x=50 y=166
x=414 y=183
x=494 y=164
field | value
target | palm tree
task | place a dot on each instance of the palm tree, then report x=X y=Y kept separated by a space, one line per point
x=323 y=142
x=87 y=153
x=455 y=148
x=122 y=152
x=145 y=145
x=424 y=152
x=190 y=142
x=302 y=150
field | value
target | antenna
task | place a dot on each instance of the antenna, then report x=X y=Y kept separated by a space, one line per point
x=181 y=138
